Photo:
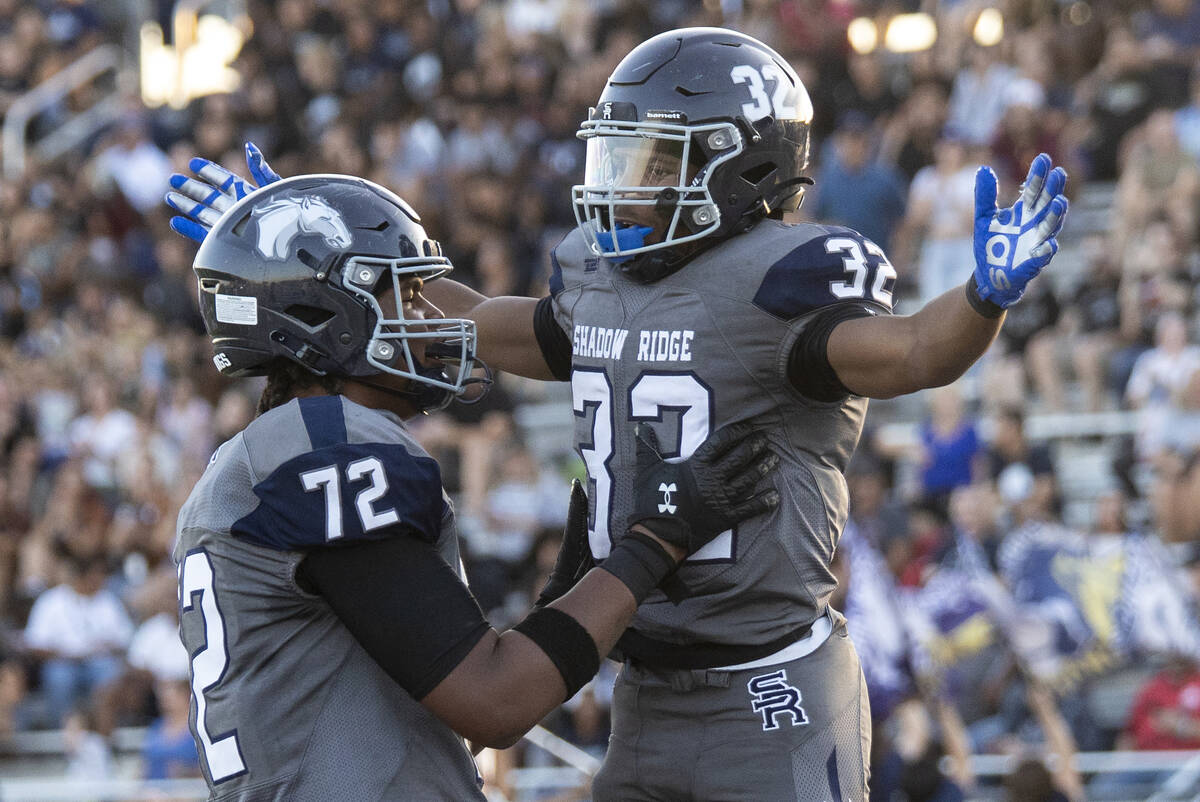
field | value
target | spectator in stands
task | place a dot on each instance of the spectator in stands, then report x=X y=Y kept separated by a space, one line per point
x=912 y=133
x=1119 y=94
x=1026 y=349
x=135 y=164
x=79 y=630
x=1023 y=132
x=1031 y=781
x=1091 y=324
x=102 y=433
x=1157 y=376
x=877 y=518
x=16 y=707
x=89 y=755
x=854 y=189
x=155 y=647
x=513 y=508
x=155 y=654
x=975 y=520
x=935 y=235
x=169 y=751
x=1166 y=712
x=1182 y=436
x=1176 y=493
x=1011 y=450
x=950 y=445
x=868 y=87
x=1159 y=179
x=978 y=98
x=910 y=765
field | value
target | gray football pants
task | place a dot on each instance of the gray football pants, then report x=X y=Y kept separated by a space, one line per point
x=798 y=730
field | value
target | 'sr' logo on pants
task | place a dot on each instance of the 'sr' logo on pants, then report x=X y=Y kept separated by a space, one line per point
x=773 y=697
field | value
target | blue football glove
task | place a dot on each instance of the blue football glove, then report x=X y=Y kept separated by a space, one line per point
x=201 y=202
x=1013 y=245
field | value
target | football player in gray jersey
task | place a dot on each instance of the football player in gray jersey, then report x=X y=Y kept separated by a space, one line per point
x=683 y=303
x=336 y=651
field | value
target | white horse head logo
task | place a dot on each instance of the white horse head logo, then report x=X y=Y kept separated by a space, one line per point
x=281 y=221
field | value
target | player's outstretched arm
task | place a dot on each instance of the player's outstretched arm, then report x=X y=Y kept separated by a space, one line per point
x=882 y=357
x=508 y=682
x=507 y=337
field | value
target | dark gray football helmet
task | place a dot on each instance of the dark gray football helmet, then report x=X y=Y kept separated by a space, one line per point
x=699 y=133
x=295 y=269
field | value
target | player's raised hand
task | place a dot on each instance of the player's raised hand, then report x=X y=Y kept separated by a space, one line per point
x=575 y=554
x=202 y=200
x=688 y=503
x=1013 y=245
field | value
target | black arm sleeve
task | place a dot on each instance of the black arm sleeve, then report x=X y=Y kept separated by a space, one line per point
x=403 y=603
x=809 y=371
x=556 y=348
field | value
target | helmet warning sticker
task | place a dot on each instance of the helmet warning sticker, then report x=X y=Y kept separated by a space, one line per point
x=241 y=310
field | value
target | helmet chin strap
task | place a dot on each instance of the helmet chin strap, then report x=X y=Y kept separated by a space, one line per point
x=429 y=398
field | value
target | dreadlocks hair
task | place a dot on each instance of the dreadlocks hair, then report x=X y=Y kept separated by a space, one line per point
x=285 y=378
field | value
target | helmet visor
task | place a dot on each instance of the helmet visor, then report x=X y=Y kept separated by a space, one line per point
x=625 y=164
x=651 y=176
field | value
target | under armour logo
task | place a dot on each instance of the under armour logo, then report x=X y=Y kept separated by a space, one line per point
x=666 y=505
x=774 y=697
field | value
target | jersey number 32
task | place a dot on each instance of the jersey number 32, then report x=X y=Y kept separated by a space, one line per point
x=650 y=395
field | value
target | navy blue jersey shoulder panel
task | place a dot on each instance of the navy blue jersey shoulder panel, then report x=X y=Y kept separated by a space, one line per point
x=840 y=265
x=346 y=493
x=324 y=419
x=556 y=276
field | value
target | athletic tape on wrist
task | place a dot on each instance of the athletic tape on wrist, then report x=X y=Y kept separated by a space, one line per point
x=565 y=642
x=640 y=563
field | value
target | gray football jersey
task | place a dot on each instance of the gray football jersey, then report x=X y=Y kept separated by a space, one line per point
x=705 y=347
x=286 y=704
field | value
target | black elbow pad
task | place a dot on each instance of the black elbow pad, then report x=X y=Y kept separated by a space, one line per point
x=808 y=370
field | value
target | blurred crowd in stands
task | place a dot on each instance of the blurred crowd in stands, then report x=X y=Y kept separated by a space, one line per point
x=109 y=406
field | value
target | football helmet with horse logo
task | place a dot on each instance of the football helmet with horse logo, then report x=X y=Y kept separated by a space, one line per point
x=279 y=223
x=297 y=270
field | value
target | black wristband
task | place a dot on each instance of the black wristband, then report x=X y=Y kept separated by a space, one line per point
x=565 y=642
x=984 y=308
x=640 y=562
